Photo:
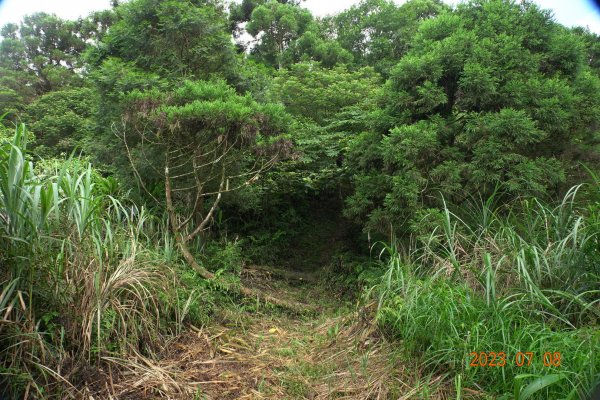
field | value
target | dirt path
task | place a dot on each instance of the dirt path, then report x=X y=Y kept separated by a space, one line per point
x=266 y=353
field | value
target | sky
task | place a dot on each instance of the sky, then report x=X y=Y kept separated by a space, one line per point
x=567 y=12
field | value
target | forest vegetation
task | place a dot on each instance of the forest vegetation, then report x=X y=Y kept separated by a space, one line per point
x=205 y=200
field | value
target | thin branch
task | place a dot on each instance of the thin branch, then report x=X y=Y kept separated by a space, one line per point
x=135 y=171
x=208 y=216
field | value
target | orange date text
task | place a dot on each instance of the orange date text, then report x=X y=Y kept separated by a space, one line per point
x=520 y=359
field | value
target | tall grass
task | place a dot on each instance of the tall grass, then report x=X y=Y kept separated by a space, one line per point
x=521 y=277
x=82 y=281
x=545 y=255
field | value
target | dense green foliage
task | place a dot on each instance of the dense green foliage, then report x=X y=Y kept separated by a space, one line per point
x=64 y=119
x=490 y=96
x=171 y=38
x=465 y=138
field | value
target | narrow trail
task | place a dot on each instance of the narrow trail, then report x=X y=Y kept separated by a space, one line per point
x=267 y=353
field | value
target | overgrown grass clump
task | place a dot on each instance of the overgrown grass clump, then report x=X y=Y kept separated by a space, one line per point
x=518 y=278
x=87 y=278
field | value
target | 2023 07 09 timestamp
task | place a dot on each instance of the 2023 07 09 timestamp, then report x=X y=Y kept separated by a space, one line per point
x=520 y=359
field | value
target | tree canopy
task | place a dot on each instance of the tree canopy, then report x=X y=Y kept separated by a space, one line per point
x=405 y=105
x=491 y=95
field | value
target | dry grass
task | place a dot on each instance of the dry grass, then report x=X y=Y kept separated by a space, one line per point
x=368 y=366
x=267 y=354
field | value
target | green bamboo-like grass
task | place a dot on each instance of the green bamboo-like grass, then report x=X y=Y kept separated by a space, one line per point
x=522 y=277
x=86 y=278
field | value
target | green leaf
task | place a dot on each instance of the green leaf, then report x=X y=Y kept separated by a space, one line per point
x=535 y=386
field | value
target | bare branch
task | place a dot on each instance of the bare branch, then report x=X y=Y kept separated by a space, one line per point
x=135 y=171
x=208 y=216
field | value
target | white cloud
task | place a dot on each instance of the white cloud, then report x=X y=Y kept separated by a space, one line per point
x=590 y=22
x=15 y=10
x=570 y=13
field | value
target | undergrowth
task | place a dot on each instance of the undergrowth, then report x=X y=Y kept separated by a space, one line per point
x=87 y=279
x=90 y=282
x=518 y=278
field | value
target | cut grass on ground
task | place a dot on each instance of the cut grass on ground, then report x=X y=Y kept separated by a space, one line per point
x=260 y=352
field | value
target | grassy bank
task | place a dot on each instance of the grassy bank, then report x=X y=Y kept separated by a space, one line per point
x=504 y=280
